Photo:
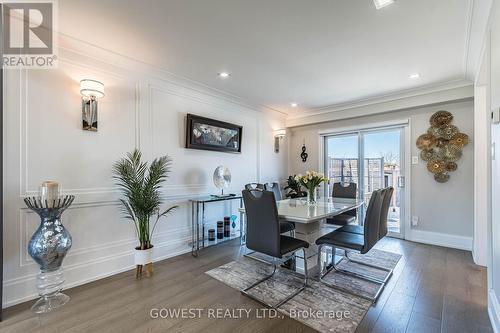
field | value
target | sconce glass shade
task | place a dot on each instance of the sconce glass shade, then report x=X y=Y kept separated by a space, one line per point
x=91 y=88
x=280 y=133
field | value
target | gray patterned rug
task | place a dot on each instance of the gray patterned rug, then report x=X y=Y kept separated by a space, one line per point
x=341 y=312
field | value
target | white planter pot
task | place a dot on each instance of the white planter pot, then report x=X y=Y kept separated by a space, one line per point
x=143 y=257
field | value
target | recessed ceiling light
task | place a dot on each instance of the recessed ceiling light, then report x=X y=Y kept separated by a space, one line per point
x=382 y=3
x=414 y=76
x=224 y=75
x=294 y=105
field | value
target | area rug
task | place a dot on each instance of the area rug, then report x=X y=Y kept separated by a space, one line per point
x=319 y=306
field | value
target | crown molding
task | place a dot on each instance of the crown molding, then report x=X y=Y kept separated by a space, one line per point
x=139 y=68
x=452 y=91
x=478 y=26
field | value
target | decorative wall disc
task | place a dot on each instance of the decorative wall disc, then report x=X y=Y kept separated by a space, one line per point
x=450 y=153
x=441 y=142
x=426 y=141
x=448 y=131
x=442 y=177
x=428 y=154
x=460 y=140
x=436 y=166
x=434 y=131
x=441 y=147
x=451 y=166
x=441 y=118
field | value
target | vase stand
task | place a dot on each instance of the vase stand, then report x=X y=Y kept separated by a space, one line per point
x=147 y=268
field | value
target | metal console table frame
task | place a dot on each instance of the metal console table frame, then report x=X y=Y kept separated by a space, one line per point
x=198 y=219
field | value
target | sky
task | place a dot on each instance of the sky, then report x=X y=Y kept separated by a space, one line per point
x=376 y=145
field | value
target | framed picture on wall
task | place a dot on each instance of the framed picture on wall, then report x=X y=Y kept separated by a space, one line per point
x=210 y=134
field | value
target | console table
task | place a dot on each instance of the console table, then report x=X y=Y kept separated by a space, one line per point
x=198 y=221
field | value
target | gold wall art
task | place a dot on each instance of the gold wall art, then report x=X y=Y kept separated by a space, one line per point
x=441 y=147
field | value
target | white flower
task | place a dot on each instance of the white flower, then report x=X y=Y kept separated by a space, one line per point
x=305 y=180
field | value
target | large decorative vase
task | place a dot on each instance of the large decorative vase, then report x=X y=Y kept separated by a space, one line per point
x=48 y=247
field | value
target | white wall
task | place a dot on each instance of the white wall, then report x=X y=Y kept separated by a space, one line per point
x=494 y=260
x=143 y=107
x=482 y=165
x=445 y=210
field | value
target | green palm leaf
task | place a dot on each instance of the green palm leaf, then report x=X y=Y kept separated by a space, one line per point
x=140 y=186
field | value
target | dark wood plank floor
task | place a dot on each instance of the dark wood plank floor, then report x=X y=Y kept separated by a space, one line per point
x=433 y=289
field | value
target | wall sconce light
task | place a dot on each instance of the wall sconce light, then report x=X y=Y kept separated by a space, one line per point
x=90 y=90
x=278 y=135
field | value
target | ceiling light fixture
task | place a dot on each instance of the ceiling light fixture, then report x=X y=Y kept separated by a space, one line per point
x=224 y=75
x=382 y=3
x=294 y=105
x=414 y=76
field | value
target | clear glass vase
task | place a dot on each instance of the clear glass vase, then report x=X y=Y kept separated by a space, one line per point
x=312 y=196
x=49 y=285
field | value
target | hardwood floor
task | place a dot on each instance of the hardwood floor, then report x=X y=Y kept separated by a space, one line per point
x=433 y=289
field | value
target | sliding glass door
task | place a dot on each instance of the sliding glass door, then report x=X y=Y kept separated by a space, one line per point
x=372 y=159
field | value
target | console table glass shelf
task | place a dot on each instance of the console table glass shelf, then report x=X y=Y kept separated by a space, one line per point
x=200 y=225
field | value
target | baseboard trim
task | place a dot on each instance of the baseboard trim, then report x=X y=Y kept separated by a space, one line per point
x=494 y=311
x=32 y=279
x=440 y=239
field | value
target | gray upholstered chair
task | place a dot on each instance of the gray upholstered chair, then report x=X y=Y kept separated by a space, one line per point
x=275 y=188
x=356 y=229
x=344 y=192
x=285 y=226
x=264 y=236
x=251 y=186
x=361 y=243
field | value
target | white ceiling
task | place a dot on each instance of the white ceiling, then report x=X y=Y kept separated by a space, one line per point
x=316 y=53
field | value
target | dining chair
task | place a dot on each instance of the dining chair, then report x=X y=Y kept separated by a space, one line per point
x=383 y=230
x=264 y=236
x=357 y=229
x=285 y=226
x=344 y=192
x=251 y=186
x=275 y=188
x=356 y=242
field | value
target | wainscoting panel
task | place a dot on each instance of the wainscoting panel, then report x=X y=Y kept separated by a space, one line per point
x=44 y=141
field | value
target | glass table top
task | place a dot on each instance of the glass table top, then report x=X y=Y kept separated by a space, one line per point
x=297 y=210
x=213 y=198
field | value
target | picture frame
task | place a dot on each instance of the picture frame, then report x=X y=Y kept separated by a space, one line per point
x=211 y=134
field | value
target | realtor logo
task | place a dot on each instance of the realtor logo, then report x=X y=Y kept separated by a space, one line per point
x=28 y=35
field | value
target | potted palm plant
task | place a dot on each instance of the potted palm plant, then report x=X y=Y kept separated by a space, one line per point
x=140 y=185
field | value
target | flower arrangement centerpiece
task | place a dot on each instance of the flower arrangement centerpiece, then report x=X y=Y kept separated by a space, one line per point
x=311 y=181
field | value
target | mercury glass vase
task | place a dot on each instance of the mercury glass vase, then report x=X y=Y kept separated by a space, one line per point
x=48 y=247
x=312 y=196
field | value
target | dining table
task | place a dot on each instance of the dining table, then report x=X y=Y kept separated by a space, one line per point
x=310 y=222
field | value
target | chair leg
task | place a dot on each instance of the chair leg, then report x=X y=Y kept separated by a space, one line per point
x=359 y=276
x=304 y=285
x=245 y=291
x=388 y=270
x=345 y=290
x=248 y=255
